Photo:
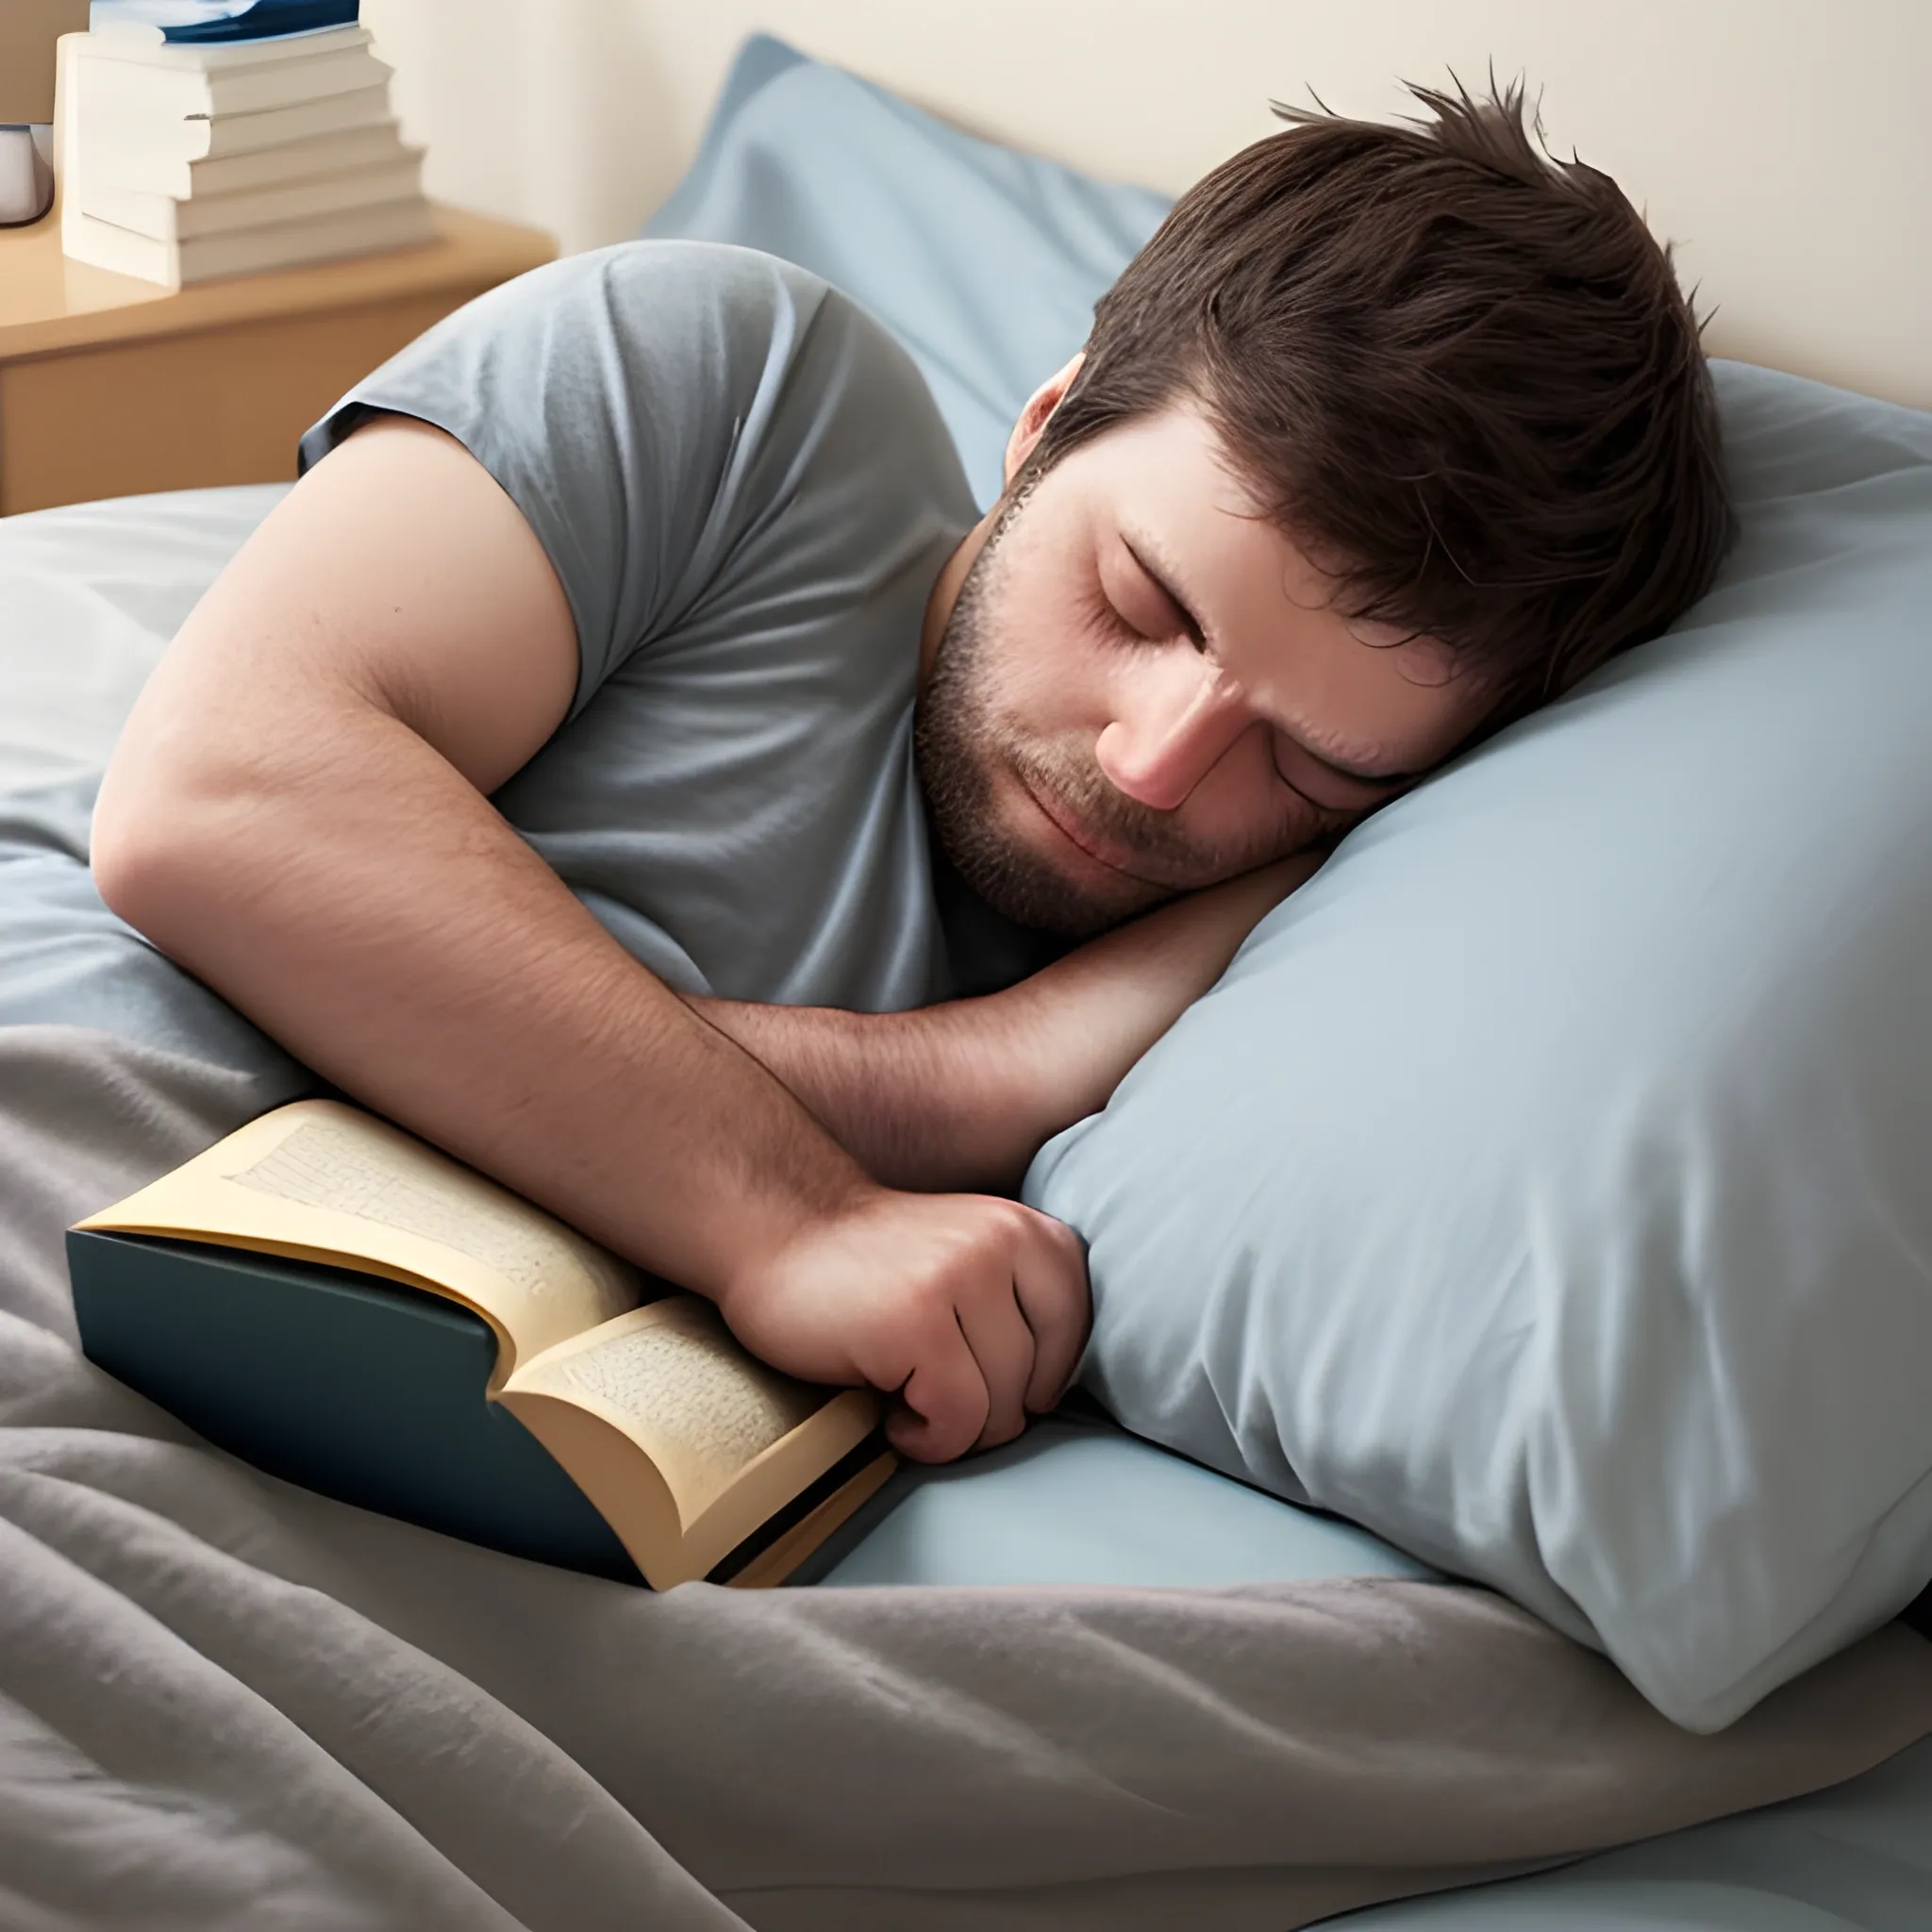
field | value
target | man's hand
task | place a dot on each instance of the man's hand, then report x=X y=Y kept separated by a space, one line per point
x=974 y=1309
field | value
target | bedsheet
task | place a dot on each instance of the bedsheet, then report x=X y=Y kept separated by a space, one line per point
x=89 y=595
x=225 y=1702
x=1081 y=1501
x=1855 y=1859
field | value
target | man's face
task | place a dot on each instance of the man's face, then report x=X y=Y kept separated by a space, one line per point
x=1139 y=688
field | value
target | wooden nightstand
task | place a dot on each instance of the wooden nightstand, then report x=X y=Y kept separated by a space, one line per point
x=110 y=387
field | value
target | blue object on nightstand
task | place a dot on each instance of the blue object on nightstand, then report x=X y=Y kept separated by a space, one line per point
x=201 y=21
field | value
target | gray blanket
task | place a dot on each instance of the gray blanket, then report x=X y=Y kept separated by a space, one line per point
x=225 y=1702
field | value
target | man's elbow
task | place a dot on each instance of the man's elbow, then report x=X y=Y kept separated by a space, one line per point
x=155 y=849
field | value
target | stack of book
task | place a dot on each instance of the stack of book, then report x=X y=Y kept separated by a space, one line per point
x=181 y=160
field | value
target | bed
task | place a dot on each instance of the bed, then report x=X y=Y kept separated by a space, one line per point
x=1079 y=1682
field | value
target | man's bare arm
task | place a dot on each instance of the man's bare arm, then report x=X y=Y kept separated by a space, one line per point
x=297 y=813
x=963 y=1094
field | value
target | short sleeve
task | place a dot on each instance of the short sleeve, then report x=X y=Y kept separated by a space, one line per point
x=632 y=403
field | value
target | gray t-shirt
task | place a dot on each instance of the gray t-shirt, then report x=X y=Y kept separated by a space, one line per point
x=746 y=492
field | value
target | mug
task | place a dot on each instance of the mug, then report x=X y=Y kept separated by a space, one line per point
x=26 y=178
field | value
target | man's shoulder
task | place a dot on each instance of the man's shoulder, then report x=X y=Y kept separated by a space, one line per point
x=683 y=424
x=725 y=265
x=747 y=338
x=669 y=353
x=709 y=271
x=686 y=290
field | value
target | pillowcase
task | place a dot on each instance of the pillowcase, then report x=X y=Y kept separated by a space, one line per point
x=985 y=264
x=1538 y=1186
x=1547 y=1186
x=1075 y=1500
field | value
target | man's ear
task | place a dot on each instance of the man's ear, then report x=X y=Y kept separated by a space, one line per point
x=1040 y=406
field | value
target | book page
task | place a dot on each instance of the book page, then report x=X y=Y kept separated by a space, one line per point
x=324 y=1165
x=321 y=1180
x=677 y=1381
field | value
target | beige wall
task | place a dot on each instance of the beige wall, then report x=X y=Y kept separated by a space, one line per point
x=1785 y=145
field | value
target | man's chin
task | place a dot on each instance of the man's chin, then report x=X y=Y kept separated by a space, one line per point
x=1032 y=892
x=1017 y=854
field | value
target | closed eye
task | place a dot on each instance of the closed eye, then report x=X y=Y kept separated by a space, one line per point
x=1155 y=612
x=1126 y=618
x=1113 y=623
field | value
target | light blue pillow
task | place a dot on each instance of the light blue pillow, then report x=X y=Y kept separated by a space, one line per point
x=1547 y=1186
x=1075 y=1501
x=1538 y=1184
x=986 y=264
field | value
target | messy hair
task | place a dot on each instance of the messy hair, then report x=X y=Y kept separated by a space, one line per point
x=1459 y=372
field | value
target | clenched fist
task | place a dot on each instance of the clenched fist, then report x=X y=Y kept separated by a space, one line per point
x=971 y=1310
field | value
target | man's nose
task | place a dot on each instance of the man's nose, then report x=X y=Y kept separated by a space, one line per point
x=1170 y=727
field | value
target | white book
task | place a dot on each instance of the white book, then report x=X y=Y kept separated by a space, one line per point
x=114 y=90
x=189 y=180
x=165 y=218
x=245 y=251
x=125 y=147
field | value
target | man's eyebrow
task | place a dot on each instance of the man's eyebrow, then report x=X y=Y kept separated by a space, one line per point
x=1142 y=552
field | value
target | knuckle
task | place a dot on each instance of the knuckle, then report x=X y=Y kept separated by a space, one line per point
x=997 y=1434
x=958 y=1437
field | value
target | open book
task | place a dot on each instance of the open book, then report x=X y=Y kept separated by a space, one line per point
x=689 y=1447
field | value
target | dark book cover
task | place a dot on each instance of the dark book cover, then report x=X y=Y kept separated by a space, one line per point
x=349 y=1384
x=358 y=1387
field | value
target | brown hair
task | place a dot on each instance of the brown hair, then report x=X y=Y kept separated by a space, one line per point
x=1459 y=372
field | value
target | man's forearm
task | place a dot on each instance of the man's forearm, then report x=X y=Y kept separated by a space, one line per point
x=358 y=899
x=935 y=1099
x=963 y=1094
x=341 y=885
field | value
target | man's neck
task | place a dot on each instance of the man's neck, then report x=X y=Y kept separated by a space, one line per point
x=945 y=591
x=984 y=950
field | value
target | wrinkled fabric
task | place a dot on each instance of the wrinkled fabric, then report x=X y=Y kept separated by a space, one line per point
x=225 y=1701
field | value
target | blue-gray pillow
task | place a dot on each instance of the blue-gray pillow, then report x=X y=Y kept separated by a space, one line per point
x=1547 y=1186
x=1444 y=1159
x=986 y=264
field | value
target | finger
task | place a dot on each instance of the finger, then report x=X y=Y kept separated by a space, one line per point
x=1050 y=1279
x=1002 y=1343
x=943 y=1401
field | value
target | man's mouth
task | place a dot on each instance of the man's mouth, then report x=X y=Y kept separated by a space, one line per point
x=1099 y=850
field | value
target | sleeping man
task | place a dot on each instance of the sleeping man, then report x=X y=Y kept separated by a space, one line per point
x=629 y=760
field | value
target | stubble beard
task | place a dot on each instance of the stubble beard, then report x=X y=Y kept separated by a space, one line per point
x=959 y=739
